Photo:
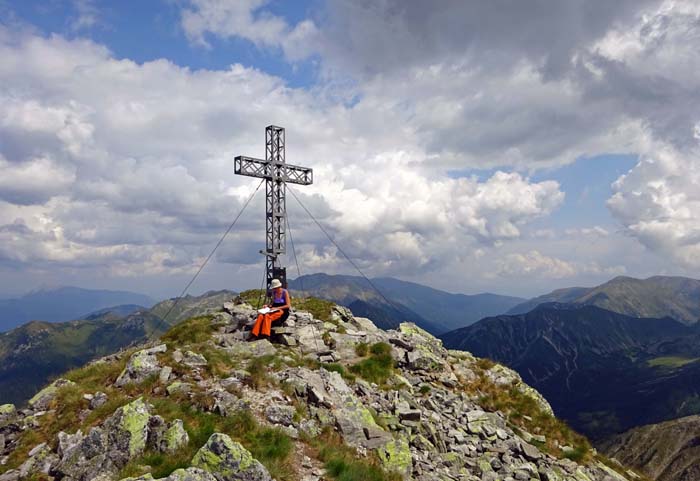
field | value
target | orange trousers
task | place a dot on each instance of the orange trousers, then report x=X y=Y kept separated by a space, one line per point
x=264 y=322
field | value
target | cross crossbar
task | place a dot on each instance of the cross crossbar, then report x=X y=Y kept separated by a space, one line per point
x=264 y=169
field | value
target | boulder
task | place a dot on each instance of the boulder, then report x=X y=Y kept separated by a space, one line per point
x=7 y=411
x=127 y=430
x=178 y=387
x=40 y=460
x=261 y=347
x=396 y=456
x=227 y=460
x=164 y=437
x=279 y=414
x=530 y=452
x=142 y=364
x=193 y=359
x=105 y=449
x=43 y=398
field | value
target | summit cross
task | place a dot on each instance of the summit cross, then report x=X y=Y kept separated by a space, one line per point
x=276 y=173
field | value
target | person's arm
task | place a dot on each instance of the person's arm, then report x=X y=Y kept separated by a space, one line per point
x=287 y=299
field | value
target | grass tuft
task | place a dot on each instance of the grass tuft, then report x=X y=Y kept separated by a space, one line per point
x=342 y=464
x=377 y=368
x=362 y=349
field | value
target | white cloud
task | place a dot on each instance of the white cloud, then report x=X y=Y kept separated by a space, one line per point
x=129 y=169
x=141 y=154
x=534 y=264
x=87 y=15
x=658 y=202
x=248 y=20
x=33 y=182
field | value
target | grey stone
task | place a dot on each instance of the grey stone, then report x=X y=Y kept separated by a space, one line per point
x=193 y=359
x=142 y=364
x=409 y=415
x=11 y=475
x=178 y=387
x=227 y=460
x=164 y=375
x=98 y=399
x=279 y=414
x=530 y=452
x=43 y=398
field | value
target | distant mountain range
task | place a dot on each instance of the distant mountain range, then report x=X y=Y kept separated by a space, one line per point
x=63 y=304
x=602 y=371
x=33 y=353
x=659 y=296
x=435 y=310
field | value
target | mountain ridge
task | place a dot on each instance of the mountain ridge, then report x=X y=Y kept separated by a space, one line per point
x=63 y=304
x=439 y=310
x=603 y=372
x=205 y=404
x=34 y=352
x=656 y=296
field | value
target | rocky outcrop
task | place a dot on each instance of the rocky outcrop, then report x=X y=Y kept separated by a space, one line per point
x=397 y=397
x=41 y=400
x=227 y=460
x=141 y=365
x=668 y=451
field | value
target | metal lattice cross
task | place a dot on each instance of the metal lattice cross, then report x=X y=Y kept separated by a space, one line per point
x=276 y=173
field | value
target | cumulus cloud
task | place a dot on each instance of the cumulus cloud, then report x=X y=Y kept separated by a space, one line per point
x=33 y=182
x=118 y=163
x=534 y=263
x=658 y=203
x=248 y=20
x=131 y=165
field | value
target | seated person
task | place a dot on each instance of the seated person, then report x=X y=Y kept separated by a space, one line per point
x=281 y=303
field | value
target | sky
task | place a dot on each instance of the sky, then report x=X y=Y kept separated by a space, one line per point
x=502 y=146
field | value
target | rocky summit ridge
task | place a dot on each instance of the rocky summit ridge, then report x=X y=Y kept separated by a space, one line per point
x=331 y=397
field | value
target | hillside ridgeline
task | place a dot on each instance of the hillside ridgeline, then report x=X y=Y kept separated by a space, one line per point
x=33 y=353
x=602 y=371
x=333 y=397
x=655 y=297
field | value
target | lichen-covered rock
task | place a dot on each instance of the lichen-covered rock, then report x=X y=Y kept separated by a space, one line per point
x=178 y=387
x=142 y=364
x=40 y=461
x=87 y=458
x=279 y=414
x=193 y=359
x=7 y=411
x=164 y=437
x=396 y=456
x=43 y=398
x=227 y=460
x=261 y=347
x=127 y=428
x=189 y=474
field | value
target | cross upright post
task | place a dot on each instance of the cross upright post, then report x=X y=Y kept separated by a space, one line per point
x=276 y=172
